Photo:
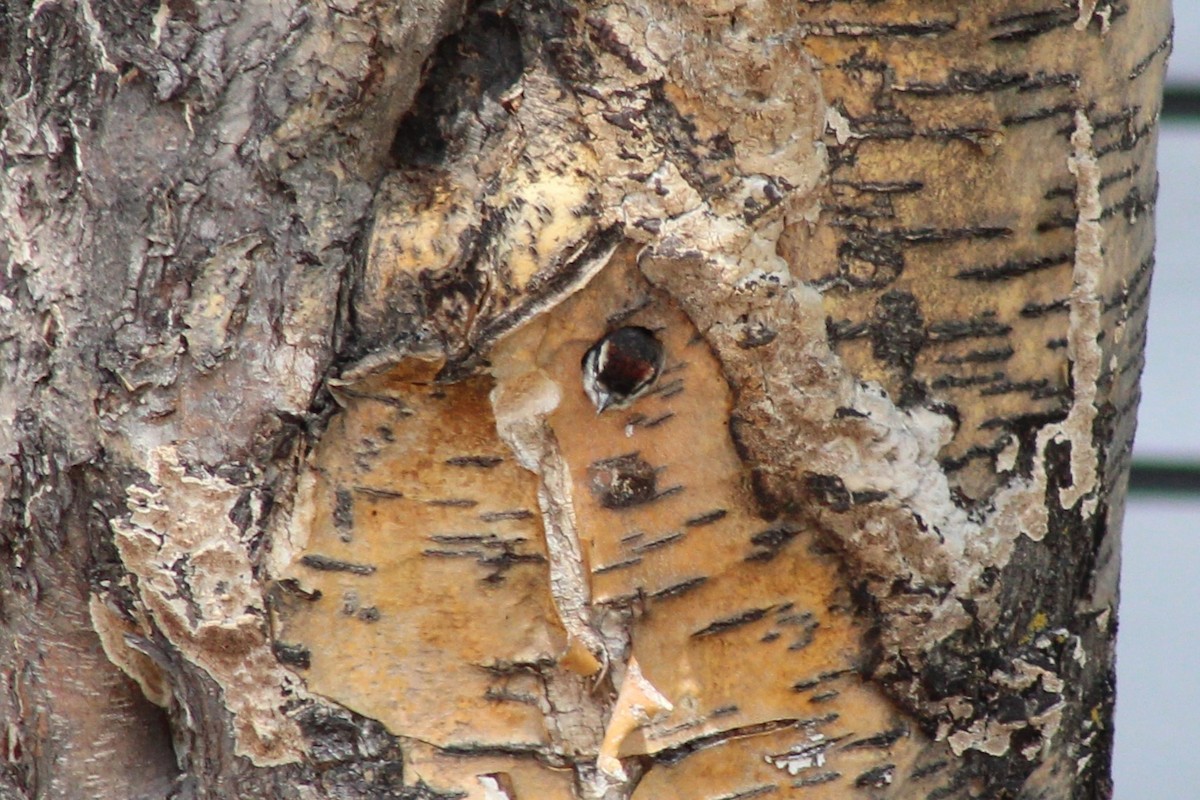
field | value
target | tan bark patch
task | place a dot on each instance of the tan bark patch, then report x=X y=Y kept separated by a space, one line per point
x=740 y=627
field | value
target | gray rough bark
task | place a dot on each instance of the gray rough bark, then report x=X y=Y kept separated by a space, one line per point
x=157 y=156
x=913 y=244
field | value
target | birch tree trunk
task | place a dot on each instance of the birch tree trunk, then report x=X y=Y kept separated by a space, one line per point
x=303 y=494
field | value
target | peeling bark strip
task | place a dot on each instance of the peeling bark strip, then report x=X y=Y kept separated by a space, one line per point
x=899 y=258
x=209 y=608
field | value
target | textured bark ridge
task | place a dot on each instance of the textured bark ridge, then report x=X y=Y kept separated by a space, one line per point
x=301 y=444
x=179 y=202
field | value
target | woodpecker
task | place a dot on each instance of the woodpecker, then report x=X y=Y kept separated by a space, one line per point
x=621 y=366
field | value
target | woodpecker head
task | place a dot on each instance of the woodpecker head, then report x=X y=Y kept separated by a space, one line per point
x=621 y=366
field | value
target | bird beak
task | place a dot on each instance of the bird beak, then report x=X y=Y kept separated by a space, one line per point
x=605 y=402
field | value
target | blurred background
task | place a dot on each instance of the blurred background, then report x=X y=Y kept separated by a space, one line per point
x=1158 y=644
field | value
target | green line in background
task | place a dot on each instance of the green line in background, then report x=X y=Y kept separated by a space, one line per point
x=1181 y=102
x=1165 y=477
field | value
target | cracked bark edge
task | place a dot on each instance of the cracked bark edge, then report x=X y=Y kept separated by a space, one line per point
x=196 y=583
x=520 y=411
x=522 y=399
